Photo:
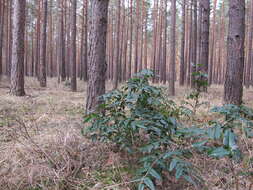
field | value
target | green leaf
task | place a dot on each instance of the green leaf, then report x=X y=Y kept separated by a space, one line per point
x=190 y=180
x=199 y=144
x=89 y=117
x=179 y=172
x=173 y=164
x=219 y=152
x=155 y=174
x=170 y=154
x=141 y=186
x=149 y=183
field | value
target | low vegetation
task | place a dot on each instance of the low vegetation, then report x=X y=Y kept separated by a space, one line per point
x=141 y=129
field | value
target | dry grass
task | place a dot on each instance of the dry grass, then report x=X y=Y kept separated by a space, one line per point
x=41 y=145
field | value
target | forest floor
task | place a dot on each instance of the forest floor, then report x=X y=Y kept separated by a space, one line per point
x=41 y=145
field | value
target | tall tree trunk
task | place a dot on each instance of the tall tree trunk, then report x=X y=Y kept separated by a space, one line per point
x=211 y=63
x=146 y=37
x=194 y=43
x=51 y=42
x=62 y=43
x=155 y=31
x=250 y=40
x=73 y=47
x=131 y=40
x=2 y=17
x=97 y=54
x=117 y=67
x=85 y=59
x=38 y=32
x=136 y=62
x=164 y=60
x=17 y=66
x=205 y=5
x=233 y=88
x=182 y=60
x=43 y=49
x=172 y=69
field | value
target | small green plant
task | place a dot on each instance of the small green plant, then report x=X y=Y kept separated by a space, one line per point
x=193 y=99
x=139 y=119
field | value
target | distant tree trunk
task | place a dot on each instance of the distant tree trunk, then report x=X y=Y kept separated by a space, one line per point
x=73 y=47
x=199 y=34
x=155 y=31
x=205 y=37
x=131 y=41
x=17 y=68
x=85 y=59
x=172 y=69
x=84 y=45
x=62 y=44
x=189 y=60
x=211 y=64
x=38 y=32
x=250 y=40
x=2 y=17
x=136 y=62
x=97 y=54
x=164 y=60
x=146 y=37
x=124 y=39
x=194 y=43
x=233 y=88
x=51 y=42
x=32 y=56
x=43 y=49
x=116 y=71
x=182 y=60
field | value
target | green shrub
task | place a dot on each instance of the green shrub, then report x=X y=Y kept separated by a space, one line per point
x=140 y=119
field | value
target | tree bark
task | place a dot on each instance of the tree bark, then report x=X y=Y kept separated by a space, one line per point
x=249 y=60
x=205 y=38
x=233 y=88
x=73 y=46
x=97 y=54
x=172 y=69
x=18 y=33
x=182 y=60
x=43 y=49
x=117 y=68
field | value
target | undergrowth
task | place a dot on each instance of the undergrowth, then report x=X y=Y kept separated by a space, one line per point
x=140 y=120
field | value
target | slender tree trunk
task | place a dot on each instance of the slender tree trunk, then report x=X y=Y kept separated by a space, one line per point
x=97 y=54
x=43 y=49
x=85 y=61
x=38 y=32
x=249 y=60
x=194 y=43
x=136 y=62
x=51 y=42
x=17 y=67
x=62 y=43
x=155 y=31
x=164 y=62
x=73 y=47
x=2 y=17
x=211 y=64
x=172 y=69
x=233 y=88
x=205 y=38
x=117 y=67
x=182 y=60
x=146 y=37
